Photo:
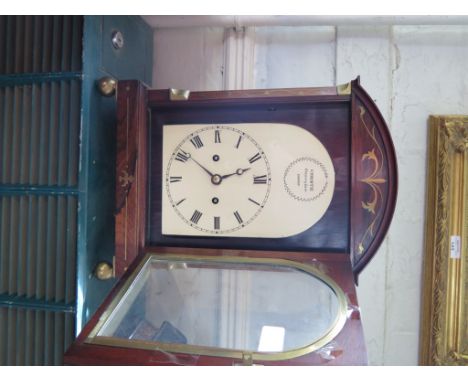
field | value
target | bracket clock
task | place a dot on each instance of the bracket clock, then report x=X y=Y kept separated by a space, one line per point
x=243 y=219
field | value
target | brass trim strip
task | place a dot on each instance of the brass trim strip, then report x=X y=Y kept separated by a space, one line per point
x=332 y=331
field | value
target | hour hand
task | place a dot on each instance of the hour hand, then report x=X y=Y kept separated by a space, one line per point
x=239 y=171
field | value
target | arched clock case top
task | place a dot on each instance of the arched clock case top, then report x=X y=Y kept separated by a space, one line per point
x=374 y=178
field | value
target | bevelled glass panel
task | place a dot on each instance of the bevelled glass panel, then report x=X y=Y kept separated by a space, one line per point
x=248 y=305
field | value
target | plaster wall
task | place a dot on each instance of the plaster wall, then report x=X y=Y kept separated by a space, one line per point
x=410 y=71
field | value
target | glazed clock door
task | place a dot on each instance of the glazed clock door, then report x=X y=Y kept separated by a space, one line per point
x=119 y=47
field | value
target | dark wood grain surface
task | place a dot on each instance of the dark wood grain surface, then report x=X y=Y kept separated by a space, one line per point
x=374 y=179
x=162 y=97
x=131 y=173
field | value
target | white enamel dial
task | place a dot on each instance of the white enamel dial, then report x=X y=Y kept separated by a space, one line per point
x=258 y=180
x=217 y=180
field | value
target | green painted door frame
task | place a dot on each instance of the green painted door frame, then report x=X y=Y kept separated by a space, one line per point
x=97 y=146
x=57 y=165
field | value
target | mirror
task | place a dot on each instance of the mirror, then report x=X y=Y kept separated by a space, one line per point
x=241 y=304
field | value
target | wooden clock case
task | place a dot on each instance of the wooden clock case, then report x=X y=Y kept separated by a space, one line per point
x=347 y=122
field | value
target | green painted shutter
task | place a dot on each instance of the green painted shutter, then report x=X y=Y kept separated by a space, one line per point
x=57 y=161
x=40 y=102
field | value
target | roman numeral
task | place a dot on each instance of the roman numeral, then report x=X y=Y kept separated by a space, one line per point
x=262 y=179
x=182 y=156
x=255 y=158
x=197 y=142
x=217 y=222
x=217 y=136
x=238 y=141
x=238 y=217
x=196 y=217
x=175 y=179
x=254 y=202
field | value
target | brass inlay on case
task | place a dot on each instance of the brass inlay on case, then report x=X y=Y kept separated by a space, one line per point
x=372 y=180
x=125 y=179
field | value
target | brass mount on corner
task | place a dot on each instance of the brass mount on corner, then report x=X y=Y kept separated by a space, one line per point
x=179 y=94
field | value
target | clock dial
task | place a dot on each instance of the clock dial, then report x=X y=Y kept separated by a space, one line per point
x=266 y=180
x=218 y=179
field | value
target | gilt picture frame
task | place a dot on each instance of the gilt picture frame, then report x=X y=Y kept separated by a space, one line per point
x=444 y=318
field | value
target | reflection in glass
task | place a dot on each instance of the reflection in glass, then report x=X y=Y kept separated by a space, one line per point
x=245 y=306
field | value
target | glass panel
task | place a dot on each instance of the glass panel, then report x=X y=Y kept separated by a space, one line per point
x=253 y=307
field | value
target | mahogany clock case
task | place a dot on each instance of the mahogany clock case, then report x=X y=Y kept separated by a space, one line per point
x=349 y=125
x=345 y=120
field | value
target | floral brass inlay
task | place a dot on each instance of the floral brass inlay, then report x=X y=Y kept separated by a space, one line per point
x=374 y=180
x=126 y=179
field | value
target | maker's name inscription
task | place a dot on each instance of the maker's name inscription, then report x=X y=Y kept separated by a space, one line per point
x=306 y=179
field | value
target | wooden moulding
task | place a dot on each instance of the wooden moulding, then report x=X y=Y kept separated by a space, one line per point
x=131 y=173
x=444 y=318
x=374 y=179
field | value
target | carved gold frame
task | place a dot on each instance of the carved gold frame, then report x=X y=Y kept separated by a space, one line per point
x=444 y=319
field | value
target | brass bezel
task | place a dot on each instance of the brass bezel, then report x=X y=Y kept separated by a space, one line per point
x=333 y=330
x=444 y=339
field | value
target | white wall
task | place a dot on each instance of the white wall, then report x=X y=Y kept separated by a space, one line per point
x=410 y=71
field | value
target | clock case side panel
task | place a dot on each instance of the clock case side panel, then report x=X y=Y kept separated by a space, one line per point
x=131 y=173
x=374 y=178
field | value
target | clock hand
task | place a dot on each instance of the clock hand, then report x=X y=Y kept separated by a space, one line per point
x=203 y=167
x=239 y=171
x=215 y=178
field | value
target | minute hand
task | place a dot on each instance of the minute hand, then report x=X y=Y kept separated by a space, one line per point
x=239 y=171
x=203 y=167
